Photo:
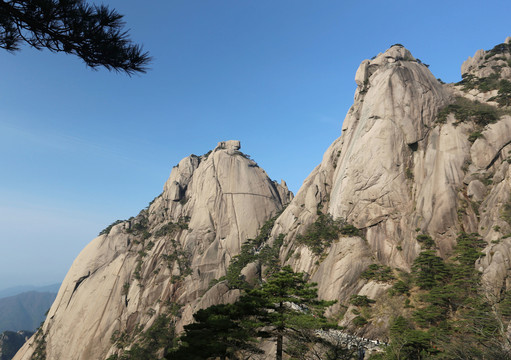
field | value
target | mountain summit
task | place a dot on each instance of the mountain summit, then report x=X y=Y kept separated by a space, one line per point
x=163 y=258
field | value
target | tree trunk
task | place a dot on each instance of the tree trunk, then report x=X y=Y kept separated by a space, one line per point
x=279 y=345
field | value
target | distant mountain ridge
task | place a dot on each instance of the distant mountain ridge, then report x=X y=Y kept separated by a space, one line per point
x=15 y=290
x=24 y=311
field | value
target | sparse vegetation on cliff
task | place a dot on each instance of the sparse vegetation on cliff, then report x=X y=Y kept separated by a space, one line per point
x=322 y=232
x=453 y=316
x=465 y=110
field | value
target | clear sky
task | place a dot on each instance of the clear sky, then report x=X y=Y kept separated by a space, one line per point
x=81 y=148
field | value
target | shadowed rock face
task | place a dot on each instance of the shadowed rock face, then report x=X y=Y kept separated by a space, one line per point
x=11 y=341
x=168 y=254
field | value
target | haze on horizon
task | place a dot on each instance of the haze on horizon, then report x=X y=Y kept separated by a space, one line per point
x=83 y=148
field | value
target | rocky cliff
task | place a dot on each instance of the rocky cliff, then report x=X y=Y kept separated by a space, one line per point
x=418 y=159
x=162 y=260
x=416 y=156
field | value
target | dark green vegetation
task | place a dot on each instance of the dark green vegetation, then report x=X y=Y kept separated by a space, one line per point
x=486 y=84
x=453 y=316
x=40 y=345
x=465 y=110
x=11 y=341
x=493 y=81
x=503 y=97
x=172 y=228
x=378 y=273
x=158 y=338
x=322 y=232
x=179 y=256
x=285 y=307
x=253 y=250
x=92 y=32
x=24 y=311
x=426 y=241
x=106 y=230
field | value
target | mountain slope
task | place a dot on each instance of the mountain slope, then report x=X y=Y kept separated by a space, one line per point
x=53 y=288
x=416 y=157
x=163 y=259
x=421 y=169
x=24 y=311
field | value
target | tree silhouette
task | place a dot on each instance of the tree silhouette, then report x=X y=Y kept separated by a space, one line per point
x=222 y=331
x=92 y=32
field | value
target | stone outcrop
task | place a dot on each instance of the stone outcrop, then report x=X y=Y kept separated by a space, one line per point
x=398 y=170
x=163 y=258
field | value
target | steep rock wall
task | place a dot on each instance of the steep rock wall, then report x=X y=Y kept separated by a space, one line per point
x=397 y=171
x=163 y=258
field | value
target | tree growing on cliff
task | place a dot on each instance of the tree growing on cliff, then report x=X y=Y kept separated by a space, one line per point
x=221 y=331
x=92 y=32
x=284 y=308
x=290 y=304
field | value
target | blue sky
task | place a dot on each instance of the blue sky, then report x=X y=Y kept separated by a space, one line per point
x=81 y=148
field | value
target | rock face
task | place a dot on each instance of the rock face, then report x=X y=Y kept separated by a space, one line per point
x=406 y=164
x=397 y=171
x=165 y=257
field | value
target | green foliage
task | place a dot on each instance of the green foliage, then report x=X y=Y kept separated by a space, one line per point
x=159 y=337
x=125 y=288
x=485 y=84
x=284 y=288
x=227 y=331
x=180 y=257
x=349 y=230
x=400 y=288
x=461 y=321
x=220 y=331
x=106 y=230
x=426 y=241
x=253 y=250
x=269 y=255
x=498 y=50
x=320 y=234
x=429 y=270
x=408 y=342
x=504 y=95
x=465 y=110
x=359 y=321
x=378 y=272
x=361 y=300
x=171 y=228
x=474 y=136
x=94 y=33
x=40 y=346
x=468 y=248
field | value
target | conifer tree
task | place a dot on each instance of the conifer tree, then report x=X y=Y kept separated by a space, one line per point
x=290 y=303
x=92 y=32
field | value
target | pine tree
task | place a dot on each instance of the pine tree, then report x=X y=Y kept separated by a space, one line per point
x=290 y=303
x=92 y=32
x=222 y=331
